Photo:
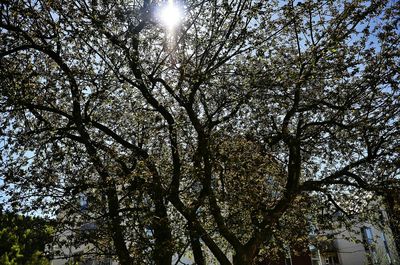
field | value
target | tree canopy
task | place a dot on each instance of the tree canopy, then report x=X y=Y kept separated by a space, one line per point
x=23 y=239
x=207 y=138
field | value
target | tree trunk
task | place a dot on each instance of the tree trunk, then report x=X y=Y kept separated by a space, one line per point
x=117 y=231
x=163 y=250
x=196 y=246
x=244 y=258
x=248 y=253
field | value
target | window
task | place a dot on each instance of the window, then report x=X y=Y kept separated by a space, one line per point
x=387 y=249
x=83 y=202
x=315 y=255
x=368 y=239
x=88 y=227
x=104 y=261
x=288 y=256
x=367 y=235
x=331 y=260
x=92 y=260
x=383 y=218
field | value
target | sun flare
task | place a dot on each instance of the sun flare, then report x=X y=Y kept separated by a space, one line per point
x=171 y=15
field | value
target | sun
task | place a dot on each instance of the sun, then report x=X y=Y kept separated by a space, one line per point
x=171 y=15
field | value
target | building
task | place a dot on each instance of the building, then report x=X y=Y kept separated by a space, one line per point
x=362 y=244
x=84 y=254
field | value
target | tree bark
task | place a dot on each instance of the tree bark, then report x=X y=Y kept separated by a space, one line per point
x=196 y=246
x=163 y=250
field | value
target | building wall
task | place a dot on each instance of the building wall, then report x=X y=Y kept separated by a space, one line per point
x=352 y=248
x=70 y=254
x=350 y=253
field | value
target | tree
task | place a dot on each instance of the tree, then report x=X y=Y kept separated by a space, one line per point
x=23 y=239
x=204 y=135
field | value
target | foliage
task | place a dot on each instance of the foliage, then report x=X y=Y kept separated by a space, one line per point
x=211 y=137
x=23 y=239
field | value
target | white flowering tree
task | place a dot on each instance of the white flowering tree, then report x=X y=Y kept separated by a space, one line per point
x=205 y=129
